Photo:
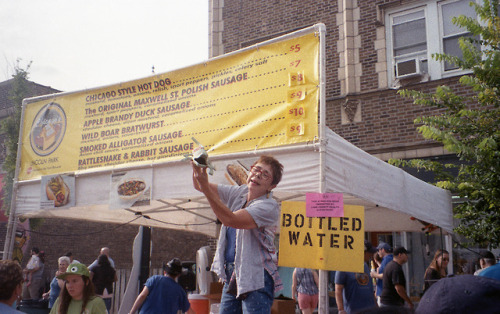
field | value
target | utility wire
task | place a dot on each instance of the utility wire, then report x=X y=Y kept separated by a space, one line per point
x=464 y=247
x=139 y=215
x=175 y=224
x=81 y=234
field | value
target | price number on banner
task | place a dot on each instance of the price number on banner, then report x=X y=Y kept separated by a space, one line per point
x=294 y=48
x=297 y=78
x=295 y=95
x=296 y=112
x=295 y=63
x=295 y=129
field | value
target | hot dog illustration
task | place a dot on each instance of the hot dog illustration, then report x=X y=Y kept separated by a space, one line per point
x=58 y=191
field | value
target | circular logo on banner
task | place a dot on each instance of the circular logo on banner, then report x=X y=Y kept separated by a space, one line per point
x=48 y=129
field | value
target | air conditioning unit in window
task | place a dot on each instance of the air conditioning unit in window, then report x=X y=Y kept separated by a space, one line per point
x=408 y=68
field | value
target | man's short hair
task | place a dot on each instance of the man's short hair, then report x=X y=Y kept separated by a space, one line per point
x=11 y=275
x=275 y=165
x=488 y=257
x=400 y=250
x=173 y=268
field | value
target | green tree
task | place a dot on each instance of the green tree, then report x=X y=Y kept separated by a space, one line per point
x=469 y=127
x=10 y=127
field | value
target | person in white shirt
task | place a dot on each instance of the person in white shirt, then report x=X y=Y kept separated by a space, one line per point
x=33 y=275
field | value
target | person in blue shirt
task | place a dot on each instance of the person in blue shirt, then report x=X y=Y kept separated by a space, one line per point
x=385 y=251
x=491 y=272
x=57 y=284
x=486 y=259
x=354 y=291
x=162 y=294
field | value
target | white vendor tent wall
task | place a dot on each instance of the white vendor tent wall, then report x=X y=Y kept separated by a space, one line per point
x=390 y=195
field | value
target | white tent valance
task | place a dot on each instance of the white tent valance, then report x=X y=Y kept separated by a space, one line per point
x=390 y=195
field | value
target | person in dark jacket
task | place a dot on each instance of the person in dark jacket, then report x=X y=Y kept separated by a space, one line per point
x=103 y=276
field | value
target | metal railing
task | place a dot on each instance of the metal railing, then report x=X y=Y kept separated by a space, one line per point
x=119 y=289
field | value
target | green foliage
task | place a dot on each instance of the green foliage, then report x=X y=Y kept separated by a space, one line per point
x=10 y=127
x=469 y=127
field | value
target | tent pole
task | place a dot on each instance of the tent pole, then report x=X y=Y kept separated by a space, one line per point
x=132 y=289
x=323 y=304
x=449 y=247
x=11 y=225
x=145 y=255
x=406 y=267
x=11 y=228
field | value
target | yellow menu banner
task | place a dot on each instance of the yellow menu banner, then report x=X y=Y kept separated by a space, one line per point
x=262 y=97
x=327 y=243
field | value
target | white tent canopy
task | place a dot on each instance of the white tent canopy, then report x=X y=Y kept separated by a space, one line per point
x=390 y=195
x=321 y=161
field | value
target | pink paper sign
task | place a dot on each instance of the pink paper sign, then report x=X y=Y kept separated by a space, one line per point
x=324 y=205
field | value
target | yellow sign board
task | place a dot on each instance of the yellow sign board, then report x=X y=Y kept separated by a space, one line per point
x=261 y=97
x=327 y=243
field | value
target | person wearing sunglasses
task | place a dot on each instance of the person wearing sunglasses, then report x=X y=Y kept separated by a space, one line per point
x=436 y=269
x=246 y=256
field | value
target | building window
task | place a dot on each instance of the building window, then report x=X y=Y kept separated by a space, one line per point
x=451 y=32
x=416 y=32
x=409 y=42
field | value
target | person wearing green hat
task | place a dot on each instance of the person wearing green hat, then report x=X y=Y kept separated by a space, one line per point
x=78 y=295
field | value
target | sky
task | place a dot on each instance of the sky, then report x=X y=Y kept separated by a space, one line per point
x=79 y=44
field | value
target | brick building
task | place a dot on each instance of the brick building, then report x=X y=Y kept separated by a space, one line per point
x=373 y=49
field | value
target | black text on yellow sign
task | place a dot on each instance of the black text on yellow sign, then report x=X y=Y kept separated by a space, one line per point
x=327 y=243
x=253 y=99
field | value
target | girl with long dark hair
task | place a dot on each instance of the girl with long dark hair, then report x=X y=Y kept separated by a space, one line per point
x=103 y=276
x=437 y=268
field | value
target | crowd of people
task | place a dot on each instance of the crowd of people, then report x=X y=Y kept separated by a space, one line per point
x=250 y=215
x=246 y=262
x=75 y=288
x=355 y=293
x=383 y=289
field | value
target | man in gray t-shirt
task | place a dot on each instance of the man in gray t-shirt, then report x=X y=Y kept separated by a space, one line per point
x=251 y=210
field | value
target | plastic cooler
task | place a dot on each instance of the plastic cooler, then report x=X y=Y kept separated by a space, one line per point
x=199 y=303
